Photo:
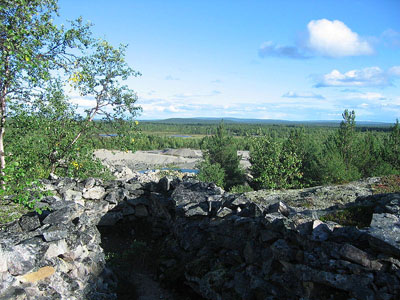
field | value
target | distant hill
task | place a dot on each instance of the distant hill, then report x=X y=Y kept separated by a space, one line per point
x=206 y=120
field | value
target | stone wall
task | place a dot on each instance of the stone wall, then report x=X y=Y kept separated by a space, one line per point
x=223 y=246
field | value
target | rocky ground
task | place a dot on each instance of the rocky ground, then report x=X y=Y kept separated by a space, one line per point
x=121 y=239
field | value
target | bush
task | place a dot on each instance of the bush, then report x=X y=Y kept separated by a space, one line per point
x=211 y=172
x=221 y=151
x=273 y=166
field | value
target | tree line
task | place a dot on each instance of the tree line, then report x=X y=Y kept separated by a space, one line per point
x=301 y=159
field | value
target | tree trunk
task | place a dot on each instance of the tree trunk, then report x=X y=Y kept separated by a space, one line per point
x=2 y=133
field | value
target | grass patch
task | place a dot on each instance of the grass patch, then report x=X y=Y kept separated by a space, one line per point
x=11 y=211
x=358 y=216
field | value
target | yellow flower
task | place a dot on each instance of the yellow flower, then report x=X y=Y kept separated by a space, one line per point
x=136 y=122
x=27 y=59
x=132 y=140
x=76 y=78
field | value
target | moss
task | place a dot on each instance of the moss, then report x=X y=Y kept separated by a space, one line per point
x=359 y=216
x=388 y=184
x=11 y=212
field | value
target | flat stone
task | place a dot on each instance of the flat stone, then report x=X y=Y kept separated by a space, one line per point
x=95 y=193
x=224 y=211
x=71 y=195
x=355 y=255
x=40 y=274
x=195 y=211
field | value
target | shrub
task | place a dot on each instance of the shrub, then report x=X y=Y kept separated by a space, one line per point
x=273 y=166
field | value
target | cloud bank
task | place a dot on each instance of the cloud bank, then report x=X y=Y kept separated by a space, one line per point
x=367 y=77
x=324 y=38
x=292 y=94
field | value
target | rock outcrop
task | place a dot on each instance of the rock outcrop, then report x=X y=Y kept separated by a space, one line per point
x=222 y=246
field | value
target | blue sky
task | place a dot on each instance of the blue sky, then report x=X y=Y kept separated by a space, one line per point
x=292 y=60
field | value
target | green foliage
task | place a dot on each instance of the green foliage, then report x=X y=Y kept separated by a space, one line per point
x=221 y=151
x=20 y=188
x=392 y=150
x=359 y=216
x=273 y=165
x=41 y=139
x=333 y=166
x=46 y=134
x=211 y=172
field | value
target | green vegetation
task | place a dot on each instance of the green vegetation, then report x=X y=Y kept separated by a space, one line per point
x=221 y=162
x=307 y=156
x=359 y=216
x=274 y=165
x=41 y=131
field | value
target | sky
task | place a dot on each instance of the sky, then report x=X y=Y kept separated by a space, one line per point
x=290 y=60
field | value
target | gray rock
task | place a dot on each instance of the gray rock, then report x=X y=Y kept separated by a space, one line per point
x=223 y=212
x=195 y=210
x=321 y=231
x=89 y=183
x=111 y=218
x=56 y=232
x=29 y=222
x=71 y=195
x=24 y=256
x=279 y=207
x=384 y=233
x=63 y=216
x=95 y=193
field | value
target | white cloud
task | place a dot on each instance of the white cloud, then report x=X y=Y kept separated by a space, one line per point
x=311 y=95
x=366 y=96
x=395 y=71
x=335 y=39
x=373 y=76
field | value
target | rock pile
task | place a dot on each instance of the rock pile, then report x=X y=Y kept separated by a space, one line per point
x=223 y=246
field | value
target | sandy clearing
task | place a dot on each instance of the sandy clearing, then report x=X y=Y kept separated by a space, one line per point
x=142 y=160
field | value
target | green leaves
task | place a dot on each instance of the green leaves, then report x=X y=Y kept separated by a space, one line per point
x=273 y=165
x=222 y=153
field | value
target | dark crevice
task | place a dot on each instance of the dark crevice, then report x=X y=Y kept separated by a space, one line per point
x=133 y=251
